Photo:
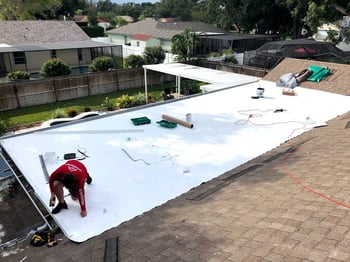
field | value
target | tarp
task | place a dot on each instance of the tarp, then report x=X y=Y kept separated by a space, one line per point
x=318 y=73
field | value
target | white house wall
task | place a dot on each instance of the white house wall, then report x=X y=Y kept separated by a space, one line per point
x=71 y=56
x=35 y=60
x=143 y=44
x=119 y=39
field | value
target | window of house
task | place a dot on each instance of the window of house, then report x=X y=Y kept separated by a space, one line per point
x=138 y=43
x=19 y=57
x=53 y=54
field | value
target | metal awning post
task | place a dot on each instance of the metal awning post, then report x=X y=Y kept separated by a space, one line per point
x=145 y=73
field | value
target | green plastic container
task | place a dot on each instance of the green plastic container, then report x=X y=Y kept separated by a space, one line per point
x=140 y=121
x=167 y=124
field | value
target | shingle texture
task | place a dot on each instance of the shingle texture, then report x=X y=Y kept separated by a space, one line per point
x=40 y=31
x=337 y=82
x=164 y=30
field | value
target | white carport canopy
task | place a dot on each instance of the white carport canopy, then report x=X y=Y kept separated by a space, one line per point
x=216 y=79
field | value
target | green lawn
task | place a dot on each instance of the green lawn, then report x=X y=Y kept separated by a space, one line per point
x=34 y=114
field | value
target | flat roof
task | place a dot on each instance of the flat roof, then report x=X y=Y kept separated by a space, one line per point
x=217 y=78
x=138 y=167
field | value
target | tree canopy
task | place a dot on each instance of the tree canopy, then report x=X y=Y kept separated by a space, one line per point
x=29 y=9
x=283 y=17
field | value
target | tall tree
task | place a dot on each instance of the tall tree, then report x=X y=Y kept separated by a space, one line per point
x=176 y=8
x=29 y=9
x=185 y=45
x=298 y=10
x=267 y=18
x=233 y=12
x=69 y=7
x=104 y=6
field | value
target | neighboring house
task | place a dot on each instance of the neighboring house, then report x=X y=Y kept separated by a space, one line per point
x=81 y=20
x=163 y=30
x=322 y=32
x=104 y=23
x=144 y=41
x=26 y=45
x=272 y=53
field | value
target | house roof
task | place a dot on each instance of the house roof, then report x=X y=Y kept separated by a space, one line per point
x=81 y=19
x=102 y=20
x=163 y=30
x=337 y=82
x=141 y=37
x=40 y=31
x=36 y=35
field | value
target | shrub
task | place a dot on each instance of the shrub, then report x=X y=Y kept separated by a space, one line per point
x=108 y=104
x=134 y=61
x=18 y=75
x=3 y=127
x=72 y=112
x=101 y=64
x=54 y=67
x=231 y=59
x=59 y=113
x=154 y=55
x=190 y=87
x=126 y=101
x=93 y=31
x=214 y=54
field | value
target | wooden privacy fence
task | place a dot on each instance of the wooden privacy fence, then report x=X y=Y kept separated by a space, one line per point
x=42 y=91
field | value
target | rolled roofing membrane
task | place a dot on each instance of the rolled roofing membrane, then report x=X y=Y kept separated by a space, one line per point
x=138 y=167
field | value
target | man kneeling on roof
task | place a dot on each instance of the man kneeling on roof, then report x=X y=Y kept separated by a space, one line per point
x=72 y=175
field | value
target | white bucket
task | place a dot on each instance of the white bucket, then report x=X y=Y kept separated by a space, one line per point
x=189 y=117
x=260 y=92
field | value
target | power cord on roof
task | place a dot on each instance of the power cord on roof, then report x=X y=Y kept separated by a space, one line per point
x=299 y=182
x=253 y=113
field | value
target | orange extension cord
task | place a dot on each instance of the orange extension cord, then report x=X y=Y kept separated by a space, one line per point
x=299 y=182
x=283 y=162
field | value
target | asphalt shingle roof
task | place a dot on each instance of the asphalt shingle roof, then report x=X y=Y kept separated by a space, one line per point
x=259 y=211
x=164 y=30
x=337 y=82
x=40 y=31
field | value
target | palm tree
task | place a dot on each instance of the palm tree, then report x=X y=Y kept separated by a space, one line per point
x=185 y=45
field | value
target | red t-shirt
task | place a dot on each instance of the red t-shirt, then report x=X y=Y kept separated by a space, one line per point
x=80 y=172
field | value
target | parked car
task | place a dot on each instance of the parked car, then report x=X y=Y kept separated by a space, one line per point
x=57 y=121
x=270 y=54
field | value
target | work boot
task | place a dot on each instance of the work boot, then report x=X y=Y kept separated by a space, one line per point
x=59 y=207
x=88 y=180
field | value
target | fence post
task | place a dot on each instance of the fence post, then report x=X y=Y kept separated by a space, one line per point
x=15 y=90
x=88 y=84
x=117 y=79
x=54 y=89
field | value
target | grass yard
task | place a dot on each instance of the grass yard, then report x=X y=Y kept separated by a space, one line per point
x=34 y=114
